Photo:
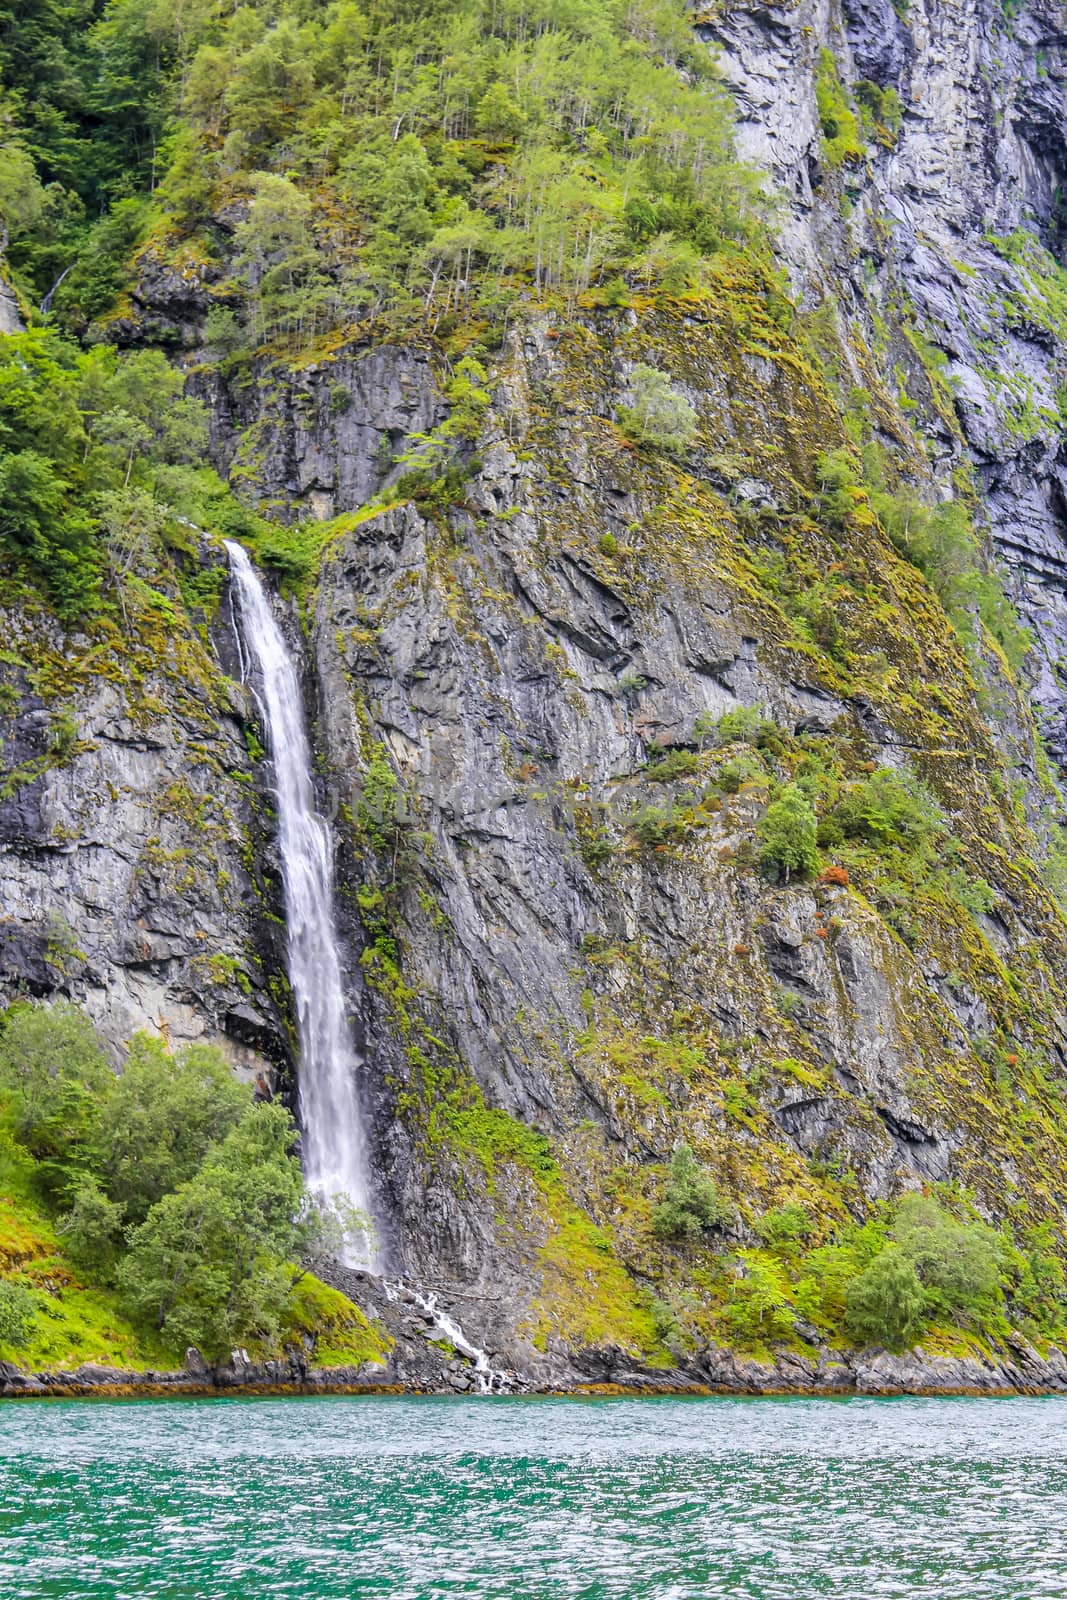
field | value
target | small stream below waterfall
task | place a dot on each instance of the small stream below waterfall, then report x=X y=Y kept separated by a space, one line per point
x=487 y=1378
x=336 y=1145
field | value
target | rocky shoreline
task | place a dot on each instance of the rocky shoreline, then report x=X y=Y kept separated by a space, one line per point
x=1019 y=1370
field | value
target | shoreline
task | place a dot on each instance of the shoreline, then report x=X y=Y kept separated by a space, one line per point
x=99 y=1383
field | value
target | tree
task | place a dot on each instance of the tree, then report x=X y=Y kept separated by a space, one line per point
x=758 y=1308
x=208 y=1265
x=885 y=1304
x=788 y=833
x=92 y=1231
x=690 y=1203
x=55 y=1072
x=958 y=1263
x=22 y=199
x=659 y=416
x=163 y=1116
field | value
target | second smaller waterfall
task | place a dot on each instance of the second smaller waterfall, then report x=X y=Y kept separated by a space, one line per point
x=335 y=1148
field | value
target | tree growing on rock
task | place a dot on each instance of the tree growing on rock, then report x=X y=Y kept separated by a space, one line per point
x=691 y=1203
x=660 y=416
x=208 y=1266
x=788 y=832
x=885 y=1304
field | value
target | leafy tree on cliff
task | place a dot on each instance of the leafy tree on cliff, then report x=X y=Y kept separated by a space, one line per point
x=161 y=1118
x=207 y=1266
x=788 y=833
x=55 y=1075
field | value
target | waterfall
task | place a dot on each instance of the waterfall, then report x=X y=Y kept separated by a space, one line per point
x=334 y=1145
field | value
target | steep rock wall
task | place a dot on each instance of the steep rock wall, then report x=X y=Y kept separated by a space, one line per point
x=132 y=848
x=917 y=234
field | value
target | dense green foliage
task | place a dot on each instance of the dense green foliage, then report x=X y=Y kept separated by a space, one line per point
x=416 y=157
x=691 y=1203
x=17 y=1311
x=99 y=470
x=208 y=1264
x=788 y=832
x=54 y=1075
x=659 y=416
x=885 y=1303
x=161 y=1118
x=166 y=1180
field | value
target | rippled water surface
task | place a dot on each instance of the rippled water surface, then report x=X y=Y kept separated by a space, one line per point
x=327 y=1499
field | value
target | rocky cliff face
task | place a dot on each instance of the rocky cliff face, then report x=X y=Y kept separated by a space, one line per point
x=563 y=955
x=128 y=833
x=919 y=236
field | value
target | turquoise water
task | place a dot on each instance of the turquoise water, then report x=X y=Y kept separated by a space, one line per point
x=415 y=1499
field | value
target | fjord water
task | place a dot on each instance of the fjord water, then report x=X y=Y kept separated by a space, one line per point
x=335 y=1149
x=508 y=1499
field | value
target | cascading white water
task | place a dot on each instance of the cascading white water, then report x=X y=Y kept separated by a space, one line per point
x=335 y=1146
x=488 y=1379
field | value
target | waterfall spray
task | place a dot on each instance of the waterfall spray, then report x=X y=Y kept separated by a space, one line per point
x=335 y=1146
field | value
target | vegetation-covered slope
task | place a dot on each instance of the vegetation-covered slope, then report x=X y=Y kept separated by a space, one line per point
x=699 y=855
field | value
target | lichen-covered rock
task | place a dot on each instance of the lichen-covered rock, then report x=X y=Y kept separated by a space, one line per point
x=126 y=829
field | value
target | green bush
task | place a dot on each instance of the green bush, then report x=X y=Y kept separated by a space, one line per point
x=56 y=1078
x=653 y=826
x=785 y=1226
x=842 y=140
x=886 y=1304
x=746 y=725
x=788 y=833
x=941 y=541
x=659 y=416
x=889 y=808
x=691 y=1203
x=759 y=1310
x=18 y=1313
x=676 y=764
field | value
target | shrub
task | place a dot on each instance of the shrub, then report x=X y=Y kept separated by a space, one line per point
x=746 y=725
x=659 y=416
x=885 y=1304
x=92 y=1231
x=655 y=825
x=785 y=1225
x=290 y=552
x=842 y=140
x=18 y=1312
x=889 y=807
x=943 y=544
x=691 y=1203
x=788 y=833
x=759 y=1309
x=222 y=331
x=835 y=877
x=676 y=764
